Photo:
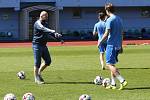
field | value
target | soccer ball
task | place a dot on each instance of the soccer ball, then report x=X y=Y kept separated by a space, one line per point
x=106 y=82
x=21 y=75
x=98 y=80
x=28 y=96
x=10 y=96
x=85 y=97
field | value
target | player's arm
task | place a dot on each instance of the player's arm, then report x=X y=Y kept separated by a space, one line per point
x=43 y=28
x=106 y=33
x=121 y=49
x=95 y=30
x=57 y=37
x=104 y=37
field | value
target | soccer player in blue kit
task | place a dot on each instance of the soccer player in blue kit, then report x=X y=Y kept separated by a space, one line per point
x=99 y=29
x=40 y=50
x=113 y=33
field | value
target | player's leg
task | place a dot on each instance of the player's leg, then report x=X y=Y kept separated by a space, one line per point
x=123 y=82
x=42 y=67
x=111 y=61
x=113 y=83
x=47 y=61
x=117 y=74
x=37 y=63
x=102 y=60
x=102 y=49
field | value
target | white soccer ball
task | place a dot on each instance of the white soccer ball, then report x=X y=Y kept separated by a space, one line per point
x=10 y=96
x=85 y=97
x=28 y=96
x=98 y=80
x=106 y=82
x=21 y=75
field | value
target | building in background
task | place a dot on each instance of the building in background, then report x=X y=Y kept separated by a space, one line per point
x=18 y=16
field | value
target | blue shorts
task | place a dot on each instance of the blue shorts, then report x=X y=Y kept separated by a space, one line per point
x=111 y=55
x=102 y=47
x=39 y=52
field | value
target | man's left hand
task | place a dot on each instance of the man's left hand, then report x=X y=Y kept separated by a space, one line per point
x=57 y=35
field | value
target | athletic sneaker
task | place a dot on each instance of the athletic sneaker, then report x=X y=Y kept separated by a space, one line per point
x=38 y=80
x=113 y=87
x=123 y=84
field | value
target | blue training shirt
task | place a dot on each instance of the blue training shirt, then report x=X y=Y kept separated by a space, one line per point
x=100 y=28
x=114 y=23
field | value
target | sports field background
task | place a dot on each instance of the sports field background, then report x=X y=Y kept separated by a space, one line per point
x=72 y=72
x=76 y=43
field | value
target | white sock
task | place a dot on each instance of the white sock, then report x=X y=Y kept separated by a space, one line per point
x=120 y=78
x=113 y=81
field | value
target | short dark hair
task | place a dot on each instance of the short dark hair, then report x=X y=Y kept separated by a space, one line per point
x=109 y=7
x=102 y=14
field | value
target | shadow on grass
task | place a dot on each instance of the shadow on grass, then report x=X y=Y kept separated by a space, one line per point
x=137 y=88
x=134 y=68
x=69 y=83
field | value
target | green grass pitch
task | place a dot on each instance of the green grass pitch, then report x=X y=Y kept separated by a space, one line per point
x=72 y=70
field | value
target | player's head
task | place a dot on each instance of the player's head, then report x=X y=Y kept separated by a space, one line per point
x=102 y=15
x=109 y=8
x=43 y=15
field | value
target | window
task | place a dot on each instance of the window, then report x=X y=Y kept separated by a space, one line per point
x=5 y=17
x=76 y=13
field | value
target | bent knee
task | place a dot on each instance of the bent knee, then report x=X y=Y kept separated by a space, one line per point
x=47 y=63
x=112 y=68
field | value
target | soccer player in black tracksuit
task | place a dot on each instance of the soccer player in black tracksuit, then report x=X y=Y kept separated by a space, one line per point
x=40 y=50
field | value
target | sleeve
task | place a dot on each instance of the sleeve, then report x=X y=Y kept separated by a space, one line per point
x=108 y=24
x=95 y=28
x=41 y=27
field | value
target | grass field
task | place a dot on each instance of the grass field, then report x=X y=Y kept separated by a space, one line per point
x=72 y=71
